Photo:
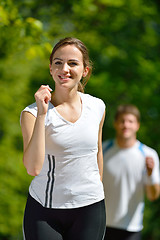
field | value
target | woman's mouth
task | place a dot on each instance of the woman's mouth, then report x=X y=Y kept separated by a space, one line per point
x=64 y=78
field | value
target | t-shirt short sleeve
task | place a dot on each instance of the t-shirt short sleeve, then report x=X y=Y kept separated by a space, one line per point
x=101 y=108
x=31 y=109
x=97 y=104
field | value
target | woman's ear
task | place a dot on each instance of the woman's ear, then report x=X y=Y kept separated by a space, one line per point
x=50 y=68
x=85 y=72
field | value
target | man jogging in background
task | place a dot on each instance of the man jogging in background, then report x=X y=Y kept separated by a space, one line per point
x=131 y=169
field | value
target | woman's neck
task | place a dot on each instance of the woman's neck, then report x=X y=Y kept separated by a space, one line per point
x=65 y=96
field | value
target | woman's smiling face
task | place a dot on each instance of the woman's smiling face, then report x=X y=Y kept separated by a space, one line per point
x=67 y=66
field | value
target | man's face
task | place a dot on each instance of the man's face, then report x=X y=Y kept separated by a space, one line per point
x=126 y=126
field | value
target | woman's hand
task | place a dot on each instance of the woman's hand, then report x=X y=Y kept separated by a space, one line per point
x=43 y=96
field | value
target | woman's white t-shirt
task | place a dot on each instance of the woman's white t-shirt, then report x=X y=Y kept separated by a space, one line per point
x=70 y=176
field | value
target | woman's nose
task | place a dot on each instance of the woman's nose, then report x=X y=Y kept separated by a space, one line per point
x=65 y=67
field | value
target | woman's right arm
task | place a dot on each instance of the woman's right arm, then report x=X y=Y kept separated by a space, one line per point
x=33 y=131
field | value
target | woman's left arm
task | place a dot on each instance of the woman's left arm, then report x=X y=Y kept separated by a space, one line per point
x=100 y=151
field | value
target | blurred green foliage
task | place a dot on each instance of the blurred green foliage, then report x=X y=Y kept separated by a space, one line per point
x=123 y=38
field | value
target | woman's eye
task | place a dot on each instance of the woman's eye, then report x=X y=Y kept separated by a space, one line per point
x=57 y=63
x=73 y=64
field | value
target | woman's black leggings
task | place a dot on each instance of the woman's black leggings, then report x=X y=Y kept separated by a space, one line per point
x=84 y=223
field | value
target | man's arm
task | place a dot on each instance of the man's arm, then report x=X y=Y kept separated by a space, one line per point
x=152 y=189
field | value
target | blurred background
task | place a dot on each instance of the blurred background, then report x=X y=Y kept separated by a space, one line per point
x=123 y=38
